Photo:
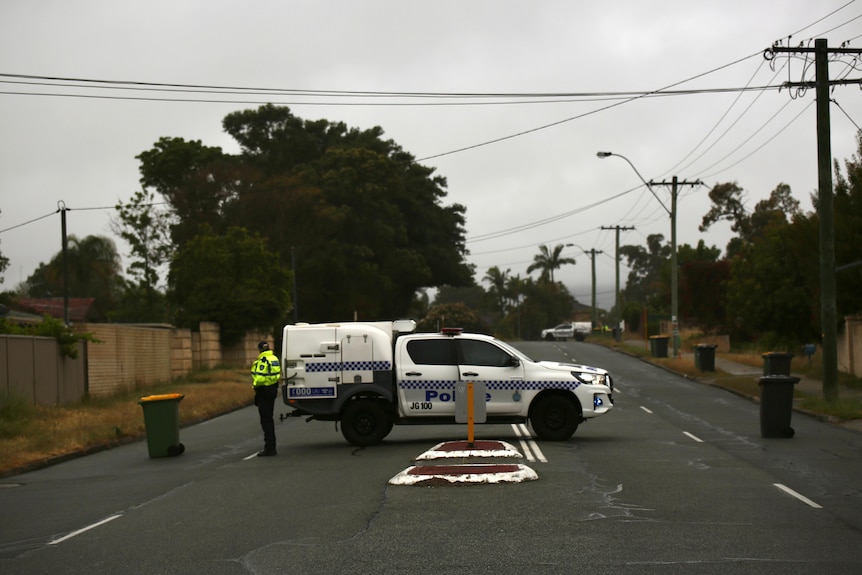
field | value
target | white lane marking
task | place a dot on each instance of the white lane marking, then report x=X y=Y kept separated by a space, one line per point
x=645 y=409
x=84 y=530
x=696 y=438
x=526 y=449
x=528 y=444
x=252 y=456
x=798 y=496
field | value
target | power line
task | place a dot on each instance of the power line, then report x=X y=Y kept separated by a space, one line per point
x=534 y=97
x=524 y=227
x=34 y=220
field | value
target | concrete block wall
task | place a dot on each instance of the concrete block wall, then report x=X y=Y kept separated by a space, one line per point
x=245 y=352
x=181 y=352
x=208 y=346
x=127 y=357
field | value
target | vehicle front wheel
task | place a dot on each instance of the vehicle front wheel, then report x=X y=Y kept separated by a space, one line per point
x=365 y=422
x=549 y=337
x=554 y=418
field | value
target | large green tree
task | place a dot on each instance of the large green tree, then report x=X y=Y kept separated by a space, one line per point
x=848 y=234
x=728 y=204
x=648 y=281
x=769 y=294
x=361 y=223
x=703 y=276
x=231 y=279
x=195 y=181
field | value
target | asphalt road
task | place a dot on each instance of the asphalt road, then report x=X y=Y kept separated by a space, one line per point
x=676 y=479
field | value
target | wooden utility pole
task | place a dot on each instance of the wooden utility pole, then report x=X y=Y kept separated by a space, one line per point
x=674 y=266
x=61 y=207
x=592 y=253
x=617 y=311
x=828 y=308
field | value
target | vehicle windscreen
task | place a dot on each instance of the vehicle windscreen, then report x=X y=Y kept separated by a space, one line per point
x=513 y=351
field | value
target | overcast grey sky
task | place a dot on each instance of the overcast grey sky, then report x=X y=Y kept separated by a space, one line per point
x=525 y=168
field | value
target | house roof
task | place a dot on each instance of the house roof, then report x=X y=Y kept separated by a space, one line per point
x=79 y=307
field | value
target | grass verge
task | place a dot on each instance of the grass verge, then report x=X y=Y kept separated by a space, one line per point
x=848 y=407
x=32 y=436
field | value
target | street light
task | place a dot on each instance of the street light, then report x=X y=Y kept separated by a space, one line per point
x=674 y=303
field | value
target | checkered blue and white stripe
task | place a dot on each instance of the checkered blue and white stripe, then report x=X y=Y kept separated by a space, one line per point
x=348 y=366
x=491 y=385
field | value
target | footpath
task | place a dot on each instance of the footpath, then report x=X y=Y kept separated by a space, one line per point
x=807 y=385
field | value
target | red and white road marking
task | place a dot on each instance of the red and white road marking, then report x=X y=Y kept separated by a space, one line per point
x=479 y=472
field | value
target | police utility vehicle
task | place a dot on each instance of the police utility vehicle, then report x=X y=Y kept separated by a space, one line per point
x=372 y=375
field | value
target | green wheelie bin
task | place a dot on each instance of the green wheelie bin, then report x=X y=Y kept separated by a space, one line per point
x=776 y=363
x=704 y=356
x=162 y=422
x=658 y=345
x=776 y=405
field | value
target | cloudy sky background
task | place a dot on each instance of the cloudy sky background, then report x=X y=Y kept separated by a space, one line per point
x=551 y=83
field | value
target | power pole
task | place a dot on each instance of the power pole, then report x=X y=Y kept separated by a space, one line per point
x=592 y=253
x=61 y=207
x=617 y=312
x=674 y=271
x=828 y=308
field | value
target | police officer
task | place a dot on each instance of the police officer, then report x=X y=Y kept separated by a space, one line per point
x=265 y=373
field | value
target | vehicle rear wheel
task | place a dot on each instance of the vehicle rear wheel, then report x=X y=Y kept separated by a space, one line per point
x=365 y=422
x=554 y=418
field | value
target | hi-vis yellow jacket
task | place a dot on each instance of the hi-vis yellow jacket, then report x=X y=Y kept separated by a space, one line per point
x=266 y=370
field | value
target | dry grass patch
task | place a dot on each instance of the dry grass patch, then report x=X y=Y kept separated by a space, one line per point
x=31 y=435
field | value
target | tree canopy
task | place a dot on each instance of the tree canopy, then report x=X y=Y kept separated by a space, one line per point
x=359 y=221
x=548 y=260
x=231 y=279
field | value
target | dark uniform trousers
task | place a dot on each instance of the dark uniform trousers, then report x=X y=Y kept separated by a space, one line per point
x=264 y=398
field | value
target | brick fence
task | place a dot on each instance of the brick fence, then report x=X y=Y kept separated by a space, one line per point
x=124 y=358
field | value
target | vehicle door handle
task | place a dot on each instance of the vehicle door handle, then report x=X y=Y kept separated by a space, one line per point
x=413 y=373
x=470 y=374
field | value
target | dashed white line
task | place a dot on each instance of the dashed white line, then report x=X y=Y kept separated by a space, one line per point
x=645 y=409
x=694 y=437
x=798 y=496
x=84 y=530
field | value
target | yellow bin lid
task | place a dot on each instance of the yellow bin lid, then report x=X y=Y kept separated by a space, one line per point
x=163 y=397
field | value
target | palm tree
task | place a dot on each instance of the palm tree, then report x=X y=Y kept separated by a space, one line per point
x=515 y=288
x=94 y=270
x=498 y=281
x=548 y=261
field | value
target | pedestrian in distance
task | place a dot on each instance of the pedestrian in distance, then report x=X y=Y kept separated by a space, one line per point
x=265 y=373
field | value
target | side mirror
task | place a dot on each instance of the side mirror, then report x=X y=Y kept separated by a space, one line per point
x=514 y=362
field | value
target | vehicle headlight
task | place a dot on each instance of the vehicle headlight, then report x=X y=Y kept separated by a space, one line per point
x=590 y=378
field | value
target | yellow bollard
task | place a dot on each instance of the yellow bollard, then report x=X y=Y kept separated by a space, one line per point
x=470 y=408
